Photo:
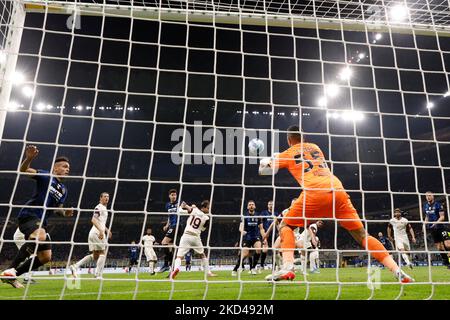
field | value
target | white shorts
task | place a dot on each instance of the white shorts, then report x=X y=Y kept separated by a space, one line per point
x=150 y=254
x=95 y=244
x=188 y=242
x=306 y=239
x=19 y=238
x=402 y=244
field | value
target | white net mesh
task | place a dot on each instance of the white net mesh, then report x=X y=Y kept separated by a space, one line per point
x=147 y=96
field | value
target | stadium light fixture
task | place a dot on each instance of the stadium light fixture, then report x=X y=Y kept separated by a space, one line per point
x=49 y=107
x=345 y=74
x=331 y=90
x=79 y=107
x=12 y=106
x=322 y=102
x=17 y=78
x=361 y=55
x=28 y=91
x=378 y=36
x=399 y=13
x=430 y=105
x=40 y=106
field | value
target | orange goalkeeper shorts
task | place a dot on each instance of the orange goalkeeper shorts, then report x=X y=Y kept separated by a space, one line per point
x=319 y=204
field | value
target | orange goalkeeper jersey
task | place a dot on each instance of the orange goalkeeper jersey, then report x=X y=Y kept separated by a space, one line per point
x=306 y=163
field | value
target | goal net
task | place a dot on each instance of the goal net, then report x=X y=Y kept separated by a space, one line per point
x=147 y=96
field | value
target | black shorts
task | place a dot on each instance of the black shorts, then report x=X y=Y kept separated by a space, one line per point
x=28 y=225
x=250 y=243
x=133 y=262
x=170 y=233
x=440 y=235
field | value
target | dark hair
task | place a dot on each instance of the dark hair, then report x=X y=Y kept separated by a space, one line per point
x=61 y=159
x=294 y=133
x=172 y=191
x=205 y=204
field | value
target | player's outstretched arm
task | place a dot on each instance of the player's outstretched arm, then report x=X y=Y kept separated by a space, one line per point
x=389 y=232
x=31 y=152
x=267 y=167
x=411 y=231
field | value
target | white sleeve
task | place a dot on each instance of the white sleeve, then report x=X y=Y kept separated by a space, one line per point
x=181 y=210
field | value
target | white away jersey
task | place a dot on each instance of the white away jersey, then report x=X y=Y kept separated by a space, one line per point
x=196 y=222
x=399 y=227
x=101 y=213
x=148 y=241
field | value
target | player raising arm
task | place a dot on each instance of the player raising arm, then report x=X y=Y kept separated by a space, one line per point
x=32 y=219
x=197 y=222
x=323 y=197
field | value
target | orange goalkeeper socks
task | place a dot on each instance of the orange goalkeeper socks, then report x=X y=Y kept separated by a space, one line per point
x=378 y=251
x=287 y=246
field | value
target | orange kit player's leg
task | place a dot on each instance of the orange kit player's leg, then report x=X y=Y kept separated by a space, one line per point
x=322 y=204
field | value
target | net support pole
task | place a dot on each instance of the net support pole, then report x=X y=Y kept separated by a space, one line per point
x=11 y=51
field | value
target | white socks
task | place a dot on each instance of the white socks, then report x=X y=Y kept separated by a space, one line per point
x=152 y=266
x=205 y=264
x=177 y=263
x=303 y=260
x=100 y=265
x=87 y=259
x=406 y=258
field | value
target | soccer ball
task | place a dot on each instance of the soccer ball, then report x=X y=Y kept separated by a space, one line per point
x=256 y=146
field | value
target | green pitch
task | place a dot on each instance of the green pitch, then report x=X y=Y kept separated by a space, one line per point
x=122 y=286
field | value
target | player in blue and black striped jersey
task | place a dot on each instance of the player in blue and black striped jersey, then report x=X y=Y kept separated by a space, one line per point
x=384 y=241
x=49 y=196
x=133 y=253
x=252 y=231
x=434 y=212
x=169 y=229
x=270 y=214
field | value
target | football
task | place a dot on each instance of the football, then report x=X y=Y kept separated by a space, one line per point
x=256 y=146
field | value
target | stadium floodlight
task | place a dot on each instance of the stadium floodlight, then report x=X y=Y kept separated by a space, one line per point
x=361 y=55
x=331 y=90
x=28 y=91
x=49 y=107
x=398 y=13
x=351 y=115
x=79 y=107
x=322 y=102
x=345 y=74
x=12 y=106
x=17 y=78
x=430 y=105
x=40 y=106
x=378 y=36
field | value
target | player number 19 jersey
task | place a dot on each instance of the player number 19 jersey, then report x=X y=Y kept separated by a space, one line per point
x=196 y=222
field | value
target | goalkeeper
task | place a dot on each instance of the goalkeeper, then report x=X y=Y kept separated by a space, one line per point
x=32 y=220
x=323 y=197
